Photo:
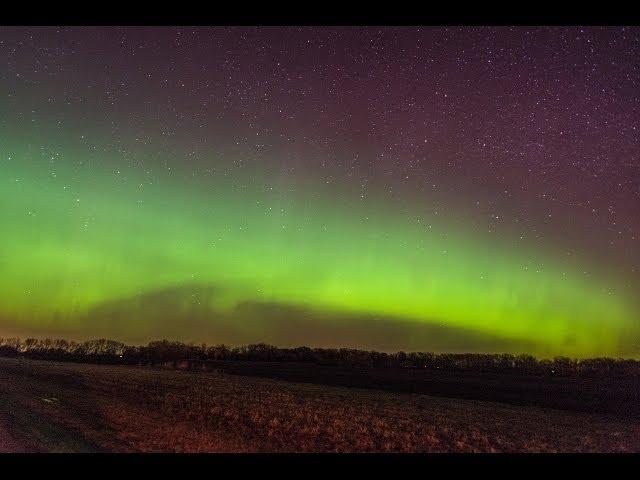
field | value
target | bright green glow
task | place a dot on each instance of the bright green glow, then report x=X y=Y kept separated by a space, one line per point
x=89 y=235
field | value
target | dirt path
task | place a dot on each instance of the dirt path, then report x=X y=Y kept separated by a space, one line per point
x=8 y=444
x=30 y=417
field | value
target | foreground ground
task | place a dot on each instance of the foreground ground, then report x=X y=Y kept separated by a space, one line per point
x=64 y=407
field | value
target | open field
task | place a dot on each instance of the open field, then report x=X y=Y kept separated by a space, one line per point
x=614 y=394
x=49 y=406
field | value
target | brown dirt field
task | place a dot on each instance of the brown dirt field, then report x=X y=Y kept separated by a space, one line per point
x=48 y=406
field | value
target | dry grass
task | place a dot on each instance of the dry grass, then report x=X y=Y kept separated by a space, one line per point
x=141 y=409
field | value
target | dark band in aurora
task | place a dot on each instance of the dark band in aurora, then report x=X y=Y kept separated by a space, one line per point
x=209 y=216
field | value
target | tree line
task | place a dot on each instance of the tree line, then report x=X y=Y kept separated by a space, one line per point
x=167 y=352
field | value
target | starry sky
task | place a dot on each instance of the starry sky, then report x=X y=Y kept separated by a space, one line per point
x=472 y=189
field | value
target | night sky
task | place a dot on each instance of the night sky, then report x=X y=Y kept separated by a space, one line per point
x=436 y=189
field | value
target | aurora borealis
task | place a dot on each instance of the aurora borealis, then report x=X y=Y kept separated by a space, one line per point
x=467 y=189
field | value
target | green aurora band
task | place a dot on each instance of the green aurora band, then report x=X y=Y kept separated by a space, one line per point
x=76 y=235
